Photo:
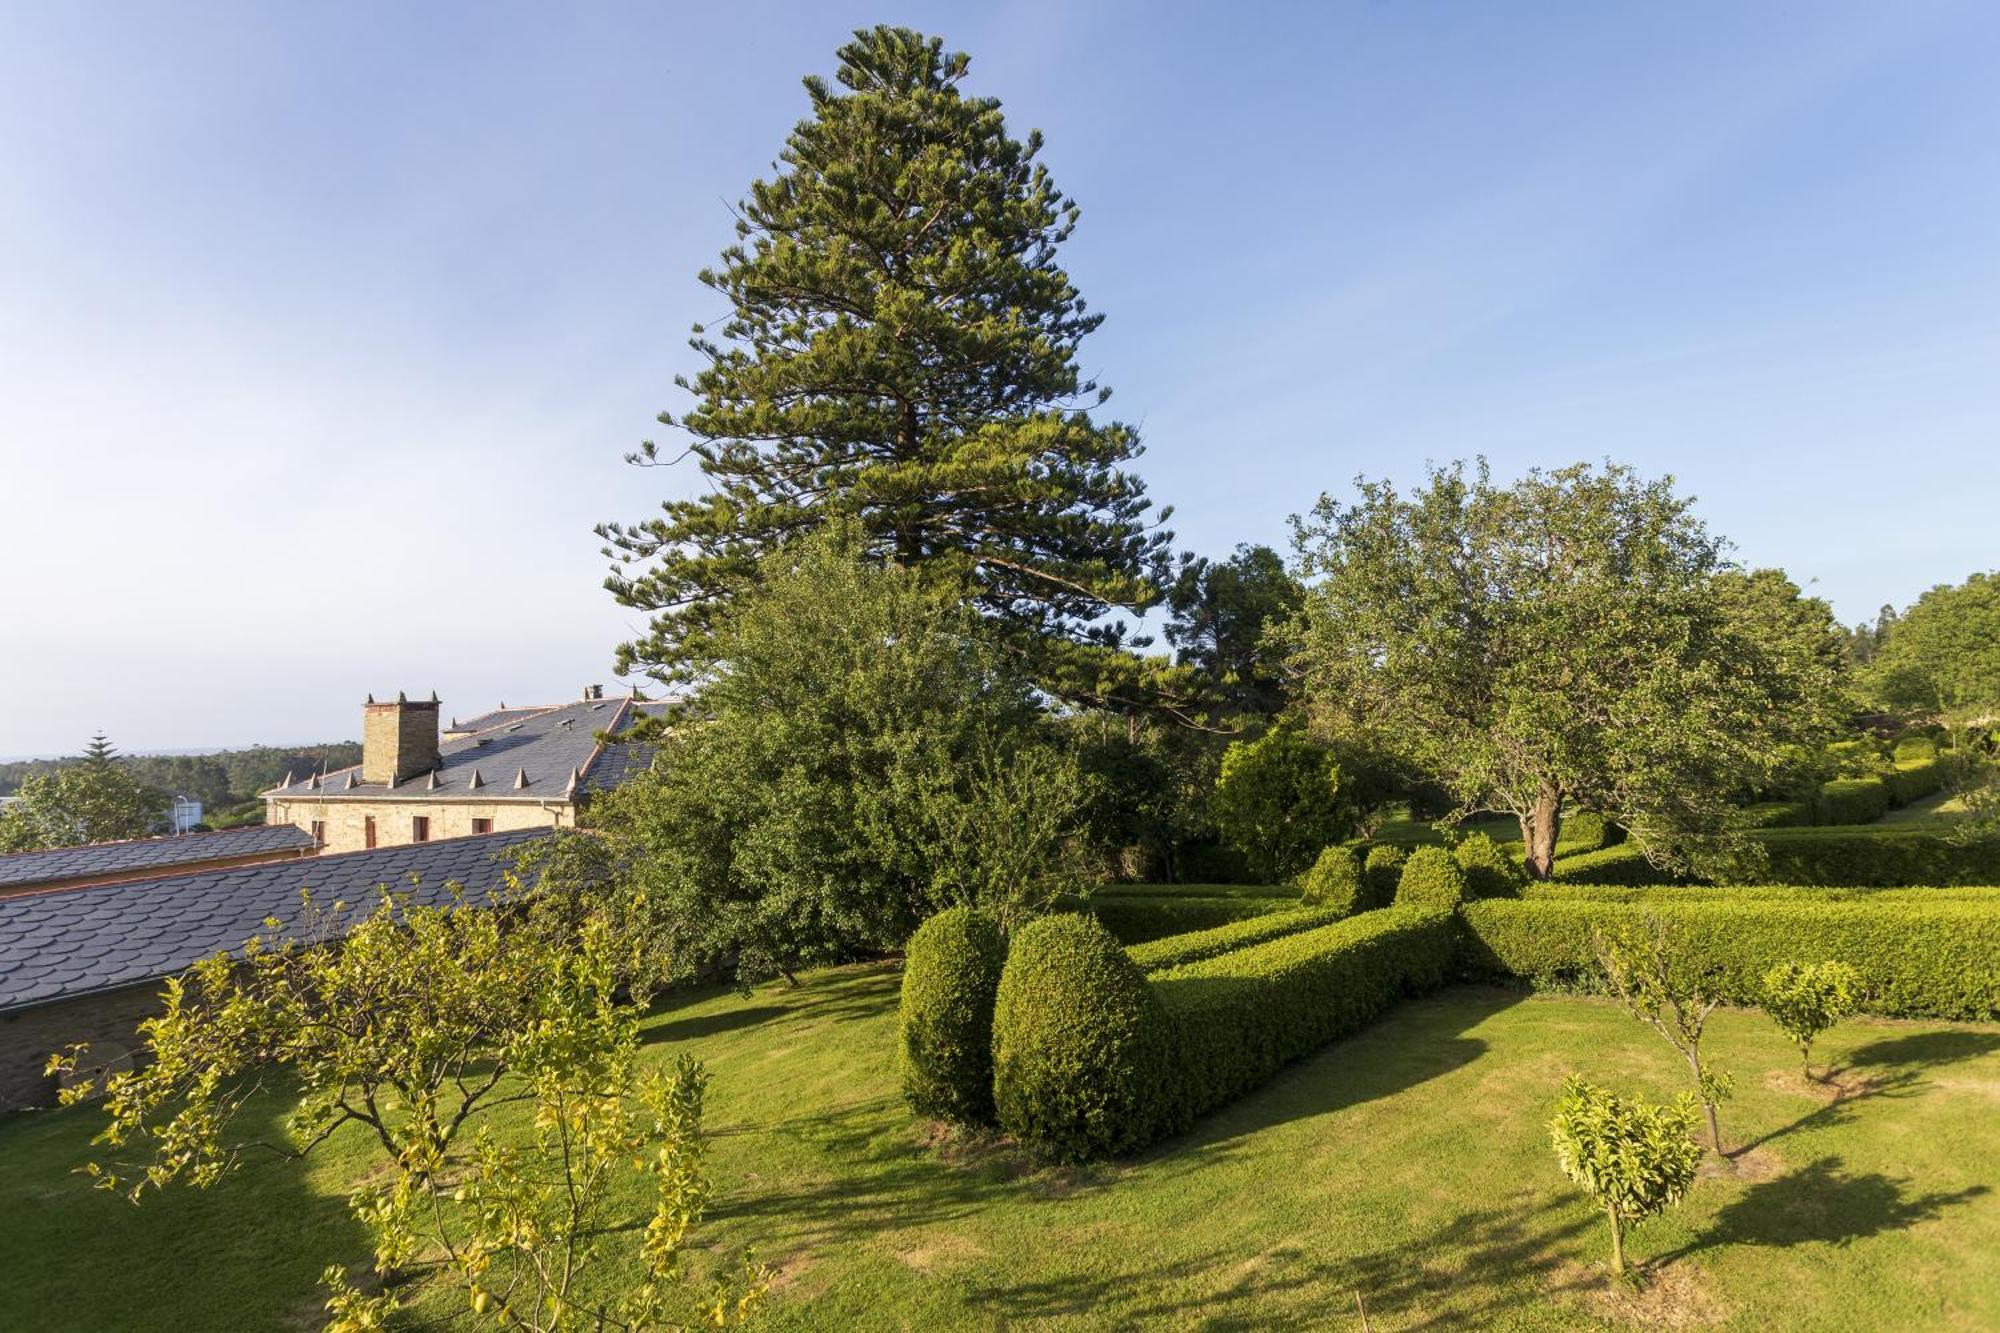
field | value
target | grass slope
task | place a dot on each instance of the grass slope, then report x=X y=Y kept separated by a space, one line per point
x=1408 y=1164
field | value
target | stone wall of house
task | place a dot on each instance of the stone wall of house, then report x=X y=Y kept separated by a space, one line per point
x=346 y=821
x=108 y=1022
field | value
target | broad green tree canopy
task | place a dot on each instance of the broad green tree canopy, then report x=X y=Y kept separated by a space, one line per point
x=1576 y=637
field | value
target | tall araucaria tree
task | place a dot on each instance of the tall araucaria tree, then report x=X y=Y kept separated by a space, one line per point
x=1576 y=638
x=902 y=352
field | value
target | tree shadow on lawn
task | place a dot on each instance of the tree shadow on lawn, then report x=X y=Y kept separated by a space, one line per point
x=864 y=991
x=1925 y=1048
x=1440 y=1280
x=181 y=1257
x=1823 y=1203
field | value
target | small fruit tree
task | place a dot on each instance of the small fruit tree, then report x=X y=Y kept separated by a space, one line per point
x=1634 y=1159
x=1805 y=999
x=1664 y=985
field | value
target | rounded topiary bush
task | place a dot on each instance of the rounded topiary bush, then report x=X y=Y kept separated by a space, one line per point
x=951 y=974
x=1489 y=872
x=1383 y=871
x=1335 y=881
x=1431 y=878
x=1079 y=1043
x=1585 y=831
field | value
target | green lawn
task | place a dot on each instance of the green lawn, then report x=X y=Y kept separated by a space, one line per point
x=1940 y=807
x=1407 y=1164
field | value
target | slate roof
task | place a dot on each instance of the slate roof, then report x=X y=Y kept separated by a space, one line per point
x=64 y=943
x=498 y=717
x=137 y=854
x=547 y=746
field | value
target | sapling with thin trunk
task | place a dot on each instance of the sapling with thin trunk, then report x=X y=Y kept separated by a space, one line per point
x=1658 y=978
x=1635 y=1159
x=1805 y=999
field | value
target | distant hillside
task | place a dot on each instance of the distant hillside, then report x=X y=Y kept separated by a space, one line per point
x=223 y=778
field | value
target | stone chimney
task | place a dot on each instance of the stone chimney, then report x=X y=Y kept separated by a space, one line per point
x=399 y=740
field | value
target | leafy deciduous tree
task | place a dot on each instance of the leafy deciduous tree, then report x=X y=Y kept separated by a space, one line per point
x=421 y=1028
x=860 y=754
x=1577 y=636
x=92 y=800
x=1278 y=801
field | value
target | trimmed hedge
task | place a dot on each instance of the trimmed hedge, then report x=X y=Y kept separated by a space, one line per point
x=1883 y=857
x=1335 y=881
x=1890 y=857
x=1915 y=778
x=1109 y=891
x=1383 y=871
x=1079 y=1043
x=1431 y=878
x=1489 y=872
x=951 y=972
x=1811 y=893
x=1178 y=950
x=1584 y=831
x=1920 y=959
x=1135 y=920
x=1239 y=1018
x=1852 y=801
x=1623 y=864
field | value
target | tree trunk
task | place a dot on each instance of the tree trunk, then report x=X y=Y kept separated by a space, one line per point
x=1539 y=828
x=1617 y=1239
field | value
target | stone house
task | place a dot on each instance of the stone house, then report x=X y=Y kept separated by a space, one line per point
x=513 y=768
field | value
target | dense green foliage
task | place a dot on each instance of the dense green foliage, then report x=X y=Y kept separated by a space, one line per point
x=1384 y=871
x=1575 y=637
x=1079 y=1043
x=1278 y=801
x=1918 y=959
x=95 y=799
x=1806 y=999
x=1223 y=612
x=1194 y=946
x=1489 y=872
x=1336 y=881
x=951 y=975
x=860 y=755
x=217 y=780
x=1430 y=878
x=1634 y=1159
x=1239 y=1017
x=901 y=351
x=1136 y=918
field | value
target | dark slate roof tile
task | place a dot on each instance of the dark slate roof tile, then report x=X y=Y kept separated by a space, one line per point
x=23 y=869
x=67 y=942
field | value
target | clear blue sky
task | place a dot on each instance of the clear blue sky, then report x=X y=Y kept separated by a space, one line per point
x=323 y=329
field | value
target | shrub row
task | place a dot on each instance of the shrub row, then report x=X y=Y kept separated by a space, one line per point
x=1809 y=893
x=1239 y=1018
x=1091 y=1059
x=1135 y=919
x=1921 y=958
x=1854 y=800
x=951 y=972
x=1878 y=857
x=1844 y=857
x=1178 y=950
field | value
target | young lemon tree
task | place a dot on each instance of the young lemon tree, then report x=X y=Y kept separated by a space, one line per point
x=1663 y=985
x=1805 y=999
x=1633 y=1158
x=492 y=1059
